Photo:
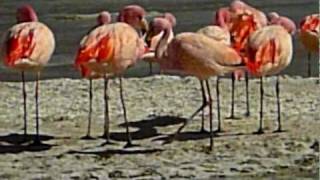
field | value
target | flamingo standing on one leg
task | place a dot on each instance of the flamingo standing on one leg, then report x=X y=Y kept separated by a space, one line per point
x=226 y=18
x=221 y=35
x=85 y=64
x=309 y=33
x=28 y=46
x=193 y=54
x=116 y=48
x=269 y=52
x=152 y=44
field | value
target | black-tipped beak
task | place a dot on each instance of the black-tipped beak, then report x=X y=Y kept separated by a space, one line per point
x=144 y=26
x=148 y=41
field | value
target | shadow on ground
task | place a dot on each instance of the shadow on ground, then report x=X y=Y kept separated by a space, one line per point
x=18 y=143
x=147 y=127
x=127 y=151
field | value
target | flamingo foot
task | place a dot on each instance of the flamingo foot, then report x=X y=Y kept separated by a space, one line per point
x=279 y=130
x=219 y=130
x=203 y=131
x=87 y=137
x=207 y=149
x=247 y=114
x=260 y=131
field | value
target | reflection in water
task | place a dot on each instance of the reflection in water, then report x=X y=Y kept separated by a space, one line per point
x=70 y=20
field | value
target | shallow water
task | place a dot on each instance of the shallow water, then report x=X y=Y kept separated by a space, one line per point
x=63 y=18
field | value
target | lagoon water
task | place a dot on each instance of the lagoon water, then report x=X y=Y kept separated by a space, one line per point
x=71 y=19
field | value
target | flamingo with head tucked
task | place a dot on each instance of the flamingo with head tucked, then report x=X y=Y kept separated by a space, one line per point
x=84 y=65
x=234 y=19
x=309 y=33
x=117 y=47
x=193 y=54
x=269 y=51
x=28 y=46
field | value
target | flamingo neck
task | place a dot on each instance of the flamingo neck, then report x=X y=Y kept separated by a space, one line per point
x=163 y=44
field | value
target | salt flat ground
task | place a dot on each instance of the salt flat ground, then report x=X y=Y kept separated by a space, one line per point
x=156 y=107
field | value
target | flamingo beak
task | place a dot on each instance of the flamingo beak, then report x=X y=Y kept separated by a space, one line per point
x=148 y=42
x=144 y=27
x=149 y=37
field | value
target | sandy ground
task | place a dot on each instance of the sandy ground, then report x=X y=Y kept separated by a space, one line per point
x=156 y=107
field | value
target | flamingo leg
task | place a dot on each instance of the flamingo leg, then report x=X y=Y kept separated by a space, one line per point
x=129 y=141
x=37 y=140
x=247 y=94
x=210 y=114
x=232 y=96
x=309 y=64
x=202 y=130
x=260 y=130
x=106 y=133
x=24 y=93
x=218 y=105
x=88 y=136
x=278 y=104
x=203 y=102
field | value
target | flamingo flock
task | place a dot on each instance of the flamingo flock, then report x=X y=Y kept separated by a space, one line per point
x=241 y=41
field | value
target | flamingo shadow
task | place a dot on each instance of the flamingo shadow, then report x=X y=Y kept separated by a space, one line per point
x=147 y=128
x=194 y=136
x=110 y=152
x=18 y=143
x=184 y=136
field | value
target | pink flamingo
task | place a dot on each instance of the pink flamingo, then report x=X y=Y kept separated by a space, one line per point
x=309 y=33
x=84 y=65
x=115 y=49
x=270 y=51
x=193 y=54
x=222 y=35
x=28 y=46
x=234 y=19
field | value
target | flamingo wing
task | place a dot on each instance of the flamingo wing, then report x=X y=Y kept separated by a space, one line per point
x=311 y=23
x=27 y=46
x=19 y=45
x=310 y=31
x=202 y=56
x=94 y=47
x=241 y=29
x=264 y=54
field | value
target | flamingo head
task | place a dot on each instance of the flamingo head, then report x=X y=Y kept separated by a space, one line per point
x=157 y=25
x=135 y=16
x=273 y=16
x=237 y=6
x=222 y=17
x=104 y=18
x=26 y=13
x=170 y=17
x=288 y=24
